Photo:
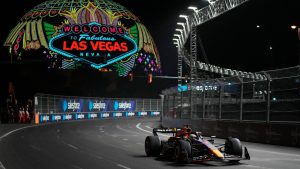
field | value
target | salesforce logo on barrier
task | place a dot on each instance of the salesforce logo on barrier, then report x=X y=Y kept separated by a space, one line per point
x=79 y=116
x=116 y=105
x=155 y=113
x=104 y=115
x=92 y=115
x=124 y=106
x=56 y=117
x=143 y=113
x=67 y=117
x=65 y=105
x=71 y=106
x=97 y=106
x=44 y=118
x=117 y=114
x=129 y=114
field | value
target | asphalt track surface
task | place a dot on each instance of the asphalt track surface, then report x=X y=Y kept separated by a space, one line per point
x=114 y=144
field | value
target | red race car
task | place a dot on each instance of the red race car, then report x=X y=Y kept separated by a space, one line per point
x=186 y=146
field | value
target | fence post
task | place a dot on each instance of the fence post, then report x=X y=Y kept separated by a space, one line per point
x=167 y=103
x=269 y=79
x=181 y=103
x=268 y=101
x=54 y=103
x=150 y=104
x=220 y=99
x=143 y=105
x=241 y=98
x=162 y=99
x=203 y=104
x=42 y=106
x=191 y=101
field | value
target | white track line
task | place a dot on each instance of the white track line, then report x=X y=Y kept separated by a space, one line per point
x=129 y=131
x=138 y=126
x=123 y=166
x=70 y=145
x=35 y=147
x=258 y=167
x=8 y=133
x=75 y=166
x=274 y=152
x=1 y=166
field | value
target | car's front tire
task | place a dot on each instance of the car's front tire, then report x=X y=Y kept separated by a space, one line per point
x=233 y=146
x=183 y=152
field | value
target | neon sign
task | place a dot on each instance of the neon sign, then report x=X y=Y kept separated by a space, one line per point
x=96 y=44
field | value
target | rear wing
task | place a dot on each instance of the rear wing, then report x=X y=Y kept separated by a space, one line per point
x=164 y=130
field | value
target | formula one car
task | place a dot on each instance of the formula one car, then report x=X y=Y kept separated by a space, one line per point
x=186 y=146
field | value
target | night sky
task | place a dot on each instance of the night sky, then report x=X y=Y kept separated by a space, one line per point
x=232 y=40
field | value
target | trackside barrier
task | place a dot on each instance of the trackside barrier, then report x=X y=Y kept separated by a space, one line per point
x=58 y=108
x=62 y=117
x=284 y=134
x=266 y=111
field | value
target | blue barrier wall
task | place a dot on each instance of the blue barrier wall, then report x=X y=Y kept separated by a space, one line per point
x=61 y=117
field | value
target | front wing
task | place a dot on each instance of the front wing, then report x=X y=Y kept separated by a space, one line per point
x=225 y=158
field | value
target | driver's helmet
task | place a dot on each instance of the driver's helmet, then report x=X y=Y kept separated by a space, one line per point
x=184 y=132
x=193 y=136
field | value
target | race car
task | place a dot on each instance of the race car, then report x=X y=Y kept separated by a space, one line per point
x=188 y=146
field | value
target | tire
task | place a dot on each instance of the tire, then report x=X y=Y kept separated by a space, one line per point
x=233 y=146
x=183 y=152
x=152 y=146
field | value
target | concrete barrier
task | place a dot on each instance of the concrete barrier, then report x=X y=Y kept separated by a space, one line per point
x=284 y=134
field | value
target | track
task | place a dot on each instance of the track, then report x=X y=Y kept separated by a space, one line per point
x=113 y=144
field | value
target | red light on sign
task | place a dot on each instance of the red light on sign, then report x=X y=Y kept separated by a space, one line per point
x=150 y=78
x=130 y=76
x=103 y=70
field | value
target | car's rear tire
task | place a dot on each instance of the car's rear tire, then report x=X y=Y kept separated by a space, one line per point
x=233 y=146
x=152 y=146
x=183 y=152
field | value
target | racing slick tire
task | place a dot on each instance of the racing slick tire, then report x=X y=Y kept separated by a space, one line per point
x=233 y=146
x=183 y=152
x=152 y=146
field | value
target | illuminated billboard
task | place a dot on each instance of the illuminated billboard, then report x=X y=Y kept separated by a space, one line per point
x=98 y=34
x=94 y=105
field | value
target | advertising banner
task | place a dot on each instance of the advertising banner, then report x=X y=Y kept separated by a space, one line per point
x=117 y=105
x=95 y=105
x=44 y=118
x=72 y=105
